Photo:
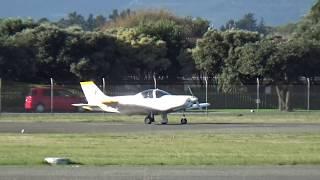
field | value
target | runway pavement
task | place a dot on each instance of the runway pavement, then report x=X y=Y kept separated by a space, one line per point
x=161 y=173
x=104 y=127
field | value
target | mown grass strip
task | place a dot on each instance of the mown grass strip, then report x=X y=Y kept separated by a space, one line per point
x=222 y=116
x=162 y=149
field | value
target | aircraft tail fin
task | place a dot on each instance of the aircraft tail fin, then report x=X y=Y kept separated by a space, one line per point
x=93 y=94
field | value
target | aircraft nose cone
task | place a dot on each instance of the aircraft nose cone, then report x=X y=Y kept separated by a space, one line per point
x=193 y=99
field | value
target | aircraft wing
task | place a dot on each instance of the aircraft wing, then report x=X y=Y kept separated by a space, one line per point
x=164 y=104
x=152 y=104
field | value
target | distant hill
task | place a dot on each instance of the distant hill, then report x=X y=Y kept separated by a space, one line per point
x=274 y=12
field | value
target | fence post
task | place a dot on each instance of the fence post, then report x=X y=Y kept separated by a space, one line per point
x=258 y=94
x=104 y=90
x=0 y=96
x=206 y=80
x=308 y=94
x=103 y=86
x=51 y=95
x=155 y=81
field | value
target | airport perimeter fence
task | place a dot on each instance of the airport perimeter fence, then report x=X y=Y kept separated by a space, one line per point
x=13 y=94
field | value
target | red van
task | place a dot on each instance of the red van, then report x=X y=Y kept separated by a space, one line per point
x=39 y=100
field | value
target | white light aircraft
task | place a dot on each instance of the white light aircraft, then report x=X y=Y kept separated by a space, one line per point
x=150 y=102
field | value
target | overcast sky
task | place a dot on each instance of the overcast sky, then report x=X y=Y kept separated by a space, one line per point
x=274 y=12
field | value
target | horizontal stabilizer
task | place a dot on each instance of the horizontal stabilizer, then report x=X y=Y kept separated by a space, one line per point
x=109 y=102
x=97 y=107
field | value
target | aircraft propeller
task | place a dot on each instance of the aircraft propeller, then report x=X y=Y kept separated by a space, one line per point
x=197 y=102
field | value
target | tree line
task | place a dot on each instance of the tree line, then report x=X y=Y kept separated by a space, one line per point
x=126 y=44
x=239 y=57
x=135 y=45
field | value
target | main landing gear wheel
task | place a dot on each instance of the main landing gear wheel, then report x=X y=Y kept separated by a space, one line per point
x=184 y=121
x=149 y=119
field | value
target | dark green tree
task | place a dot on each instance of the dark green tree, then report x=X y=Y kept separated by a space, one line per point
x=187 y=63
x=210 y=52
x=99 y=52
x=48 y=42
x=73 y=19
x=90 y=24
x=247 y=22
x=309 y=26
x=100 y=21
x=10 y=26
x=43 y=20
x=177 y=33
x=215 y=52
x=281 y=62
x=141 y=54
x=114 y=15
x=231 y=24
x=11 y=60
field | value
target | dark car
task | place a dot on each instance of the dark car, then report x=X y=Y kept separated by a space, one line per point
x=39 y=100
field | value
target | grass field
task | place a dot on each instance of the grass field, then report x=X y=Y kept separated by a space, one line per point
x=162 y=149
x=218 y=116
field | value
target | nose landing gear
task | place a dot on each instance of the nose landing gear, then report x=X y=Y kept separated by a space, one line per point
x=184 y=119
x=149 y=119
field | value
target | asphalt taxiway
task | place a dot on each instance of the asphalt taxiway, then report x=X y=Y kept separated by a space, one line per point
x=161 y=173
x=105 y=127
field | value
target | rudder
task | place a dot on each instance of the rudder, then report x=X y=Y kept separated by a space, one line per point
x=92 y=93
